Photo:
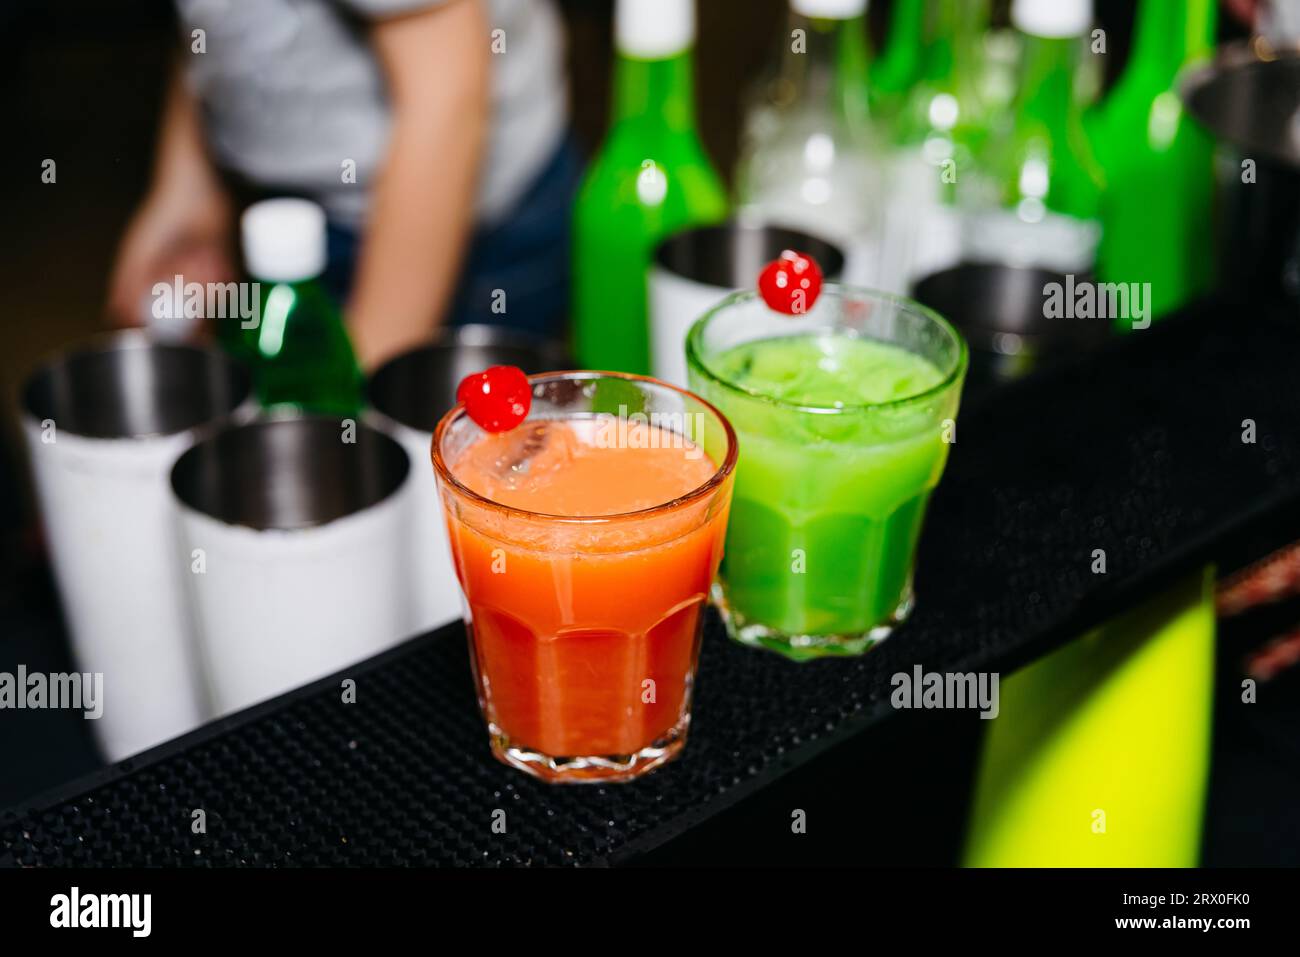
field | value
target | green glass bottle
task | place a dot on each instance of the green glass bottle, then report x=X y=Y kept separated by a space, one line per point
x=1158 y=163
x=651 y=178
x=941 y=128
x=901 y=62
x=298 y=350
x=1046 y=184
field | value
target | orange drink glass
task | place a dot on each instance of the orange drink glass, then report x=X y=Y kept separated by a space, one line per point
x=586 y=541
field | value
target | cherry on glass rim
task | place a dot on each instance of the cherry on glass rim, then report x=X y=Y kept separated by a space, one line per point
x=497 y=399
x=791 y=283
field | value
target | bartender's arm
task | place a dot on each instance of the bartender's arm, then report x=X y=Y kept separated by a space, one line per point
x=422 y=202
x=184 y=224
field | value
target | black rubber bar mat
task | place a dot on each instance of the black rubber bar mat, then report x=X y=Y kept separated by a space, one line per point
x=1137 y=451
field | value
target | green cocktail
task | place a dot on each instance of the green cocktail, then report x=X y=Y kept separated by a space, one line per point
x=844 y=416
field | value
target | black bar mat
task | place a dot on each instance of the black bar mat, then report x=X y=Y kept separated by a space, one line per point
x=1137 y=451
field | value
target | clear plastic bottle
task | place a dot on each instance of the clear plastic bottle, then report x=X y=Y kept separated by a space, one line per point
x=809 y=154
x=1047 y=186
x=938 y=135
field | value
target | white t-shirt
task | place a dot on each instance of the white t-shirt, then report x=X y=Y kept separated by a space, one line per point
x=293 y=95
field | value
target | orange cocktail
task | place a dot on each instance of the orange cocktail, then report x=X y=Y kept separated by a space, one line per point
x=586 y=541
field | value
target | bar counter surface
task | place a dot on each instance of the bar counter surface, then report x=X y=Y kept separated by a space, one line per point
x=1138 y=450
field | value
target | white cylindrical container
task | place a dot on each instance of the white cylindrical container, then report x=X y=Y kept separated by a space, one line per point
x=435 y=592
x=693 y=270
x=295 y=531
x=408 y=395
x=104 y=425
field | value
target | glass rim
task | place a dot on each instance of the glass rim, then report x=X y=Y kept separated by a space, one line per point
x=695 y=360
x=720 y=472
x=100 y=346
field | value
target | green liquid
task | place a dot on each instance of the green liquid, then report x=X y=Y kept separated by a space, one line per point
x=827 y=506
x=299 y=352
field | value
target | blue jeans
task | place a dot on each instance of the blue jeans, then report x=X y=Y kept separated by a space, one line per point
x=524 y=258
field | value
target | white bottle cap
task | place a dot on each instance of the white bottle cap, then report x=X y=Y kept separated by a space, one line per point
x=284 y=239
x=830 y=9
x=654 y=29
x=1053 y=19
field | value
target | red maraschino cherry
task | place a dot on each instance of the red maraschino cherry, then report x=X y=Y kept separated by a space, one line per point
x=791 y=283
x=497 y=399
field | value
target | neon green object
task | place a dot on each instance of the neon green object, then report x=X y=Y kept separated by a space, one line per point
x=1158 y=163
x=1100 y=753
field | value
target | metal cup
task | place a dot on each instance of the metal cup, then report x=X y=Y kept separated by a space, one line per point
x=104 y=423
x=1252 y=107
x=294 y=533
x=999 y=310
x=408 y=395
x=694 y=270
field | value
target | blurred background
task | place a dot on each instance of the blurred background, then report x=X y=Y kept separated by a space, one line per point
x=83 y=81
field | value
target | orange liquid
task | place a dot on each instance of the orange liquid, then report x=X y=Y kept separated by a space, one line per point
x=585 y=635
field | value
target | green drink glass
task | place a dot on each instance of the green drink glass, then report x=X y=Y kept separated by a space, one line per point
x=844 y=415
